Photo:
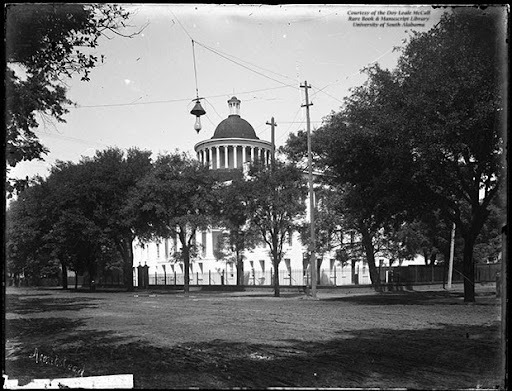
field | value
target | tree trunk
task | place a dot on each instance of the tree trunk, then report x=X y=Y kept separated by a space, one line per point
x=479 y=215
x=64 y=276
x=353 y=272
x=186 y=262
x=239 y=270
x=126 y=250
x=318 y=266
x=275 y=261
x=370 y=258
x=469 y=271
x=427 y=258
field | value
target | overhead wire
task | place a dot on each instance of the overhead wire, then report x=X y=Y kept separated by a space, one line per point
x=238 y=62
x=225 y=55
x=195 y=68
x=246 y=67
x=78 y=106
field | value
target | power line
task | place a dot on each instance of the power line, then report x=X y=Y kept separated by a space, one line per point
x=246 y=67
x=218 y=52
x=78 y=106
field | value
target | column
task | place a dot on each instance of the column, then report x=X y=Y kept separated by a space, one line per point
x=244 y=154
x=235 y=156
x=217 y=157
x=226 y=161
x=208 y=158
x=252 y=154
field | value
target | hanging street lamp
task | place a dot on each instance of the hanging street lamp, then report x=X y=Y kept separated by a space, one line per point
x=198 y=111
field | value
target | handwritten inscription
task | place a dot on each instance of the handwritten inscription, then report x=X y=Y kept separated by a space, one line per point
x=57 y=362
x=388 y=18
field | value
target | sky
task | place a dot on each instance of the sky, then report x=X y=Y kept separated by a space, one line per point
x=142 y=94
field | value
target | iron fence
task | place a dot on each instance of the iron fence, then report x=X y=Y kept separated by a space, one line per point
x=338 y=276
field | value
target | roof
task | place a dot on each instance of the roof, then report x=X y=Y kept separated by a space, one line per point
x=235 y=127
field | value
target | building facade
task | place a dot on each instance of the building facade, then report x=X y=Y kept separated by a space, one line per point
x=233 y=145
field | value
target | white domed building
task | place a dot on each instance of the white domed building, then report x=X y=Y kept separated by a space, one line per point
x=233 y=145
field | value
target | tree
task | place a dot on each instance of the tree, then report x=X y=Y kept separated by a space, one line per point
x=46 y=43
x=363 y=164
x=452 y=78
x=233 y=215
x=329 y=227
x=428 y=134
x=177 y=197
x=276 y=204
x=73 y=236
x=112 y=178
x=88 y=211
x=25 y=228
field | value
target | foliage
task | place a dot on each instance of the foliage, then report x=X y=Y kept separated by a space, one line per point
x=423 y=137
x=46 y=43
x=452 y=81
x=26 y=225
x=276 y=204
x=82 y=214
x=177 y=198
x=233 y=215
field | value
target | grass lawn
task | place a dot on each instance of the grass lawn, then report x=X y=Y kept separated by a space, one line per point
x=421 y=340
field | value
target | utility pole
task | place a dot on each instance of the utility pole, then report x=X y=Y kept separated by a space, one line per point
x=272 y=140
x=311 y=195
x=452 y=251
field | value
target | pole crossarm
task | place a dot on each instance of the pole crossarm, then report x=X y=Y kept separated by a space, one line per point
x=273 y=125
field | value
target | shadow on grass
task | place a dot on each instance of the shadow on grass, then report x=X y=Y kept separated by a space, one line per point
x=414 y=298
x=445 y=356
x=28 y=304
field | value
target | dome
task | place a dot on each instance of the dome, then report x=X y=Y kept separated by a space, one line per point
x=235 y=127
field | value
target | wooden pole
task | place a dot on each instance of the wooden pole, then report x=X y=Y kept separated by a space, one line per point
x=272 y=140
x=311 y=196
x=452 y=252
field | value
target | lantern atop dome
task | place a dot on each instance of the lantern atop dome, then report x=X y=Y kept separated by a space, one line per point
x=234 y=106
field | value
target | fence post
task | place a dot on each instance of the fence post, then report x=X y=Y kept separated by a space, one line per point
x=175 y=278
x=156 y=279
x=165 y=278
x=197 y=278
x=209 y=277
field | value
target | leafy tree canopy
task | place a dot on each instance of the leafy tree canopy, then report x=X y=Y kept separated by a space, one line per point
x=45 y=44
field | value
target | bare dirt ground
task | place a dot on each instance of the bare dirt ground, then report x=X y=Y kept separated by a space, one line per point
x=418 y=339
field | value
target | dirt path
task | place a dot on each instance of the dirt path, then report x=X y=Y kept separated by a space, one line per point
x=412 y=339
